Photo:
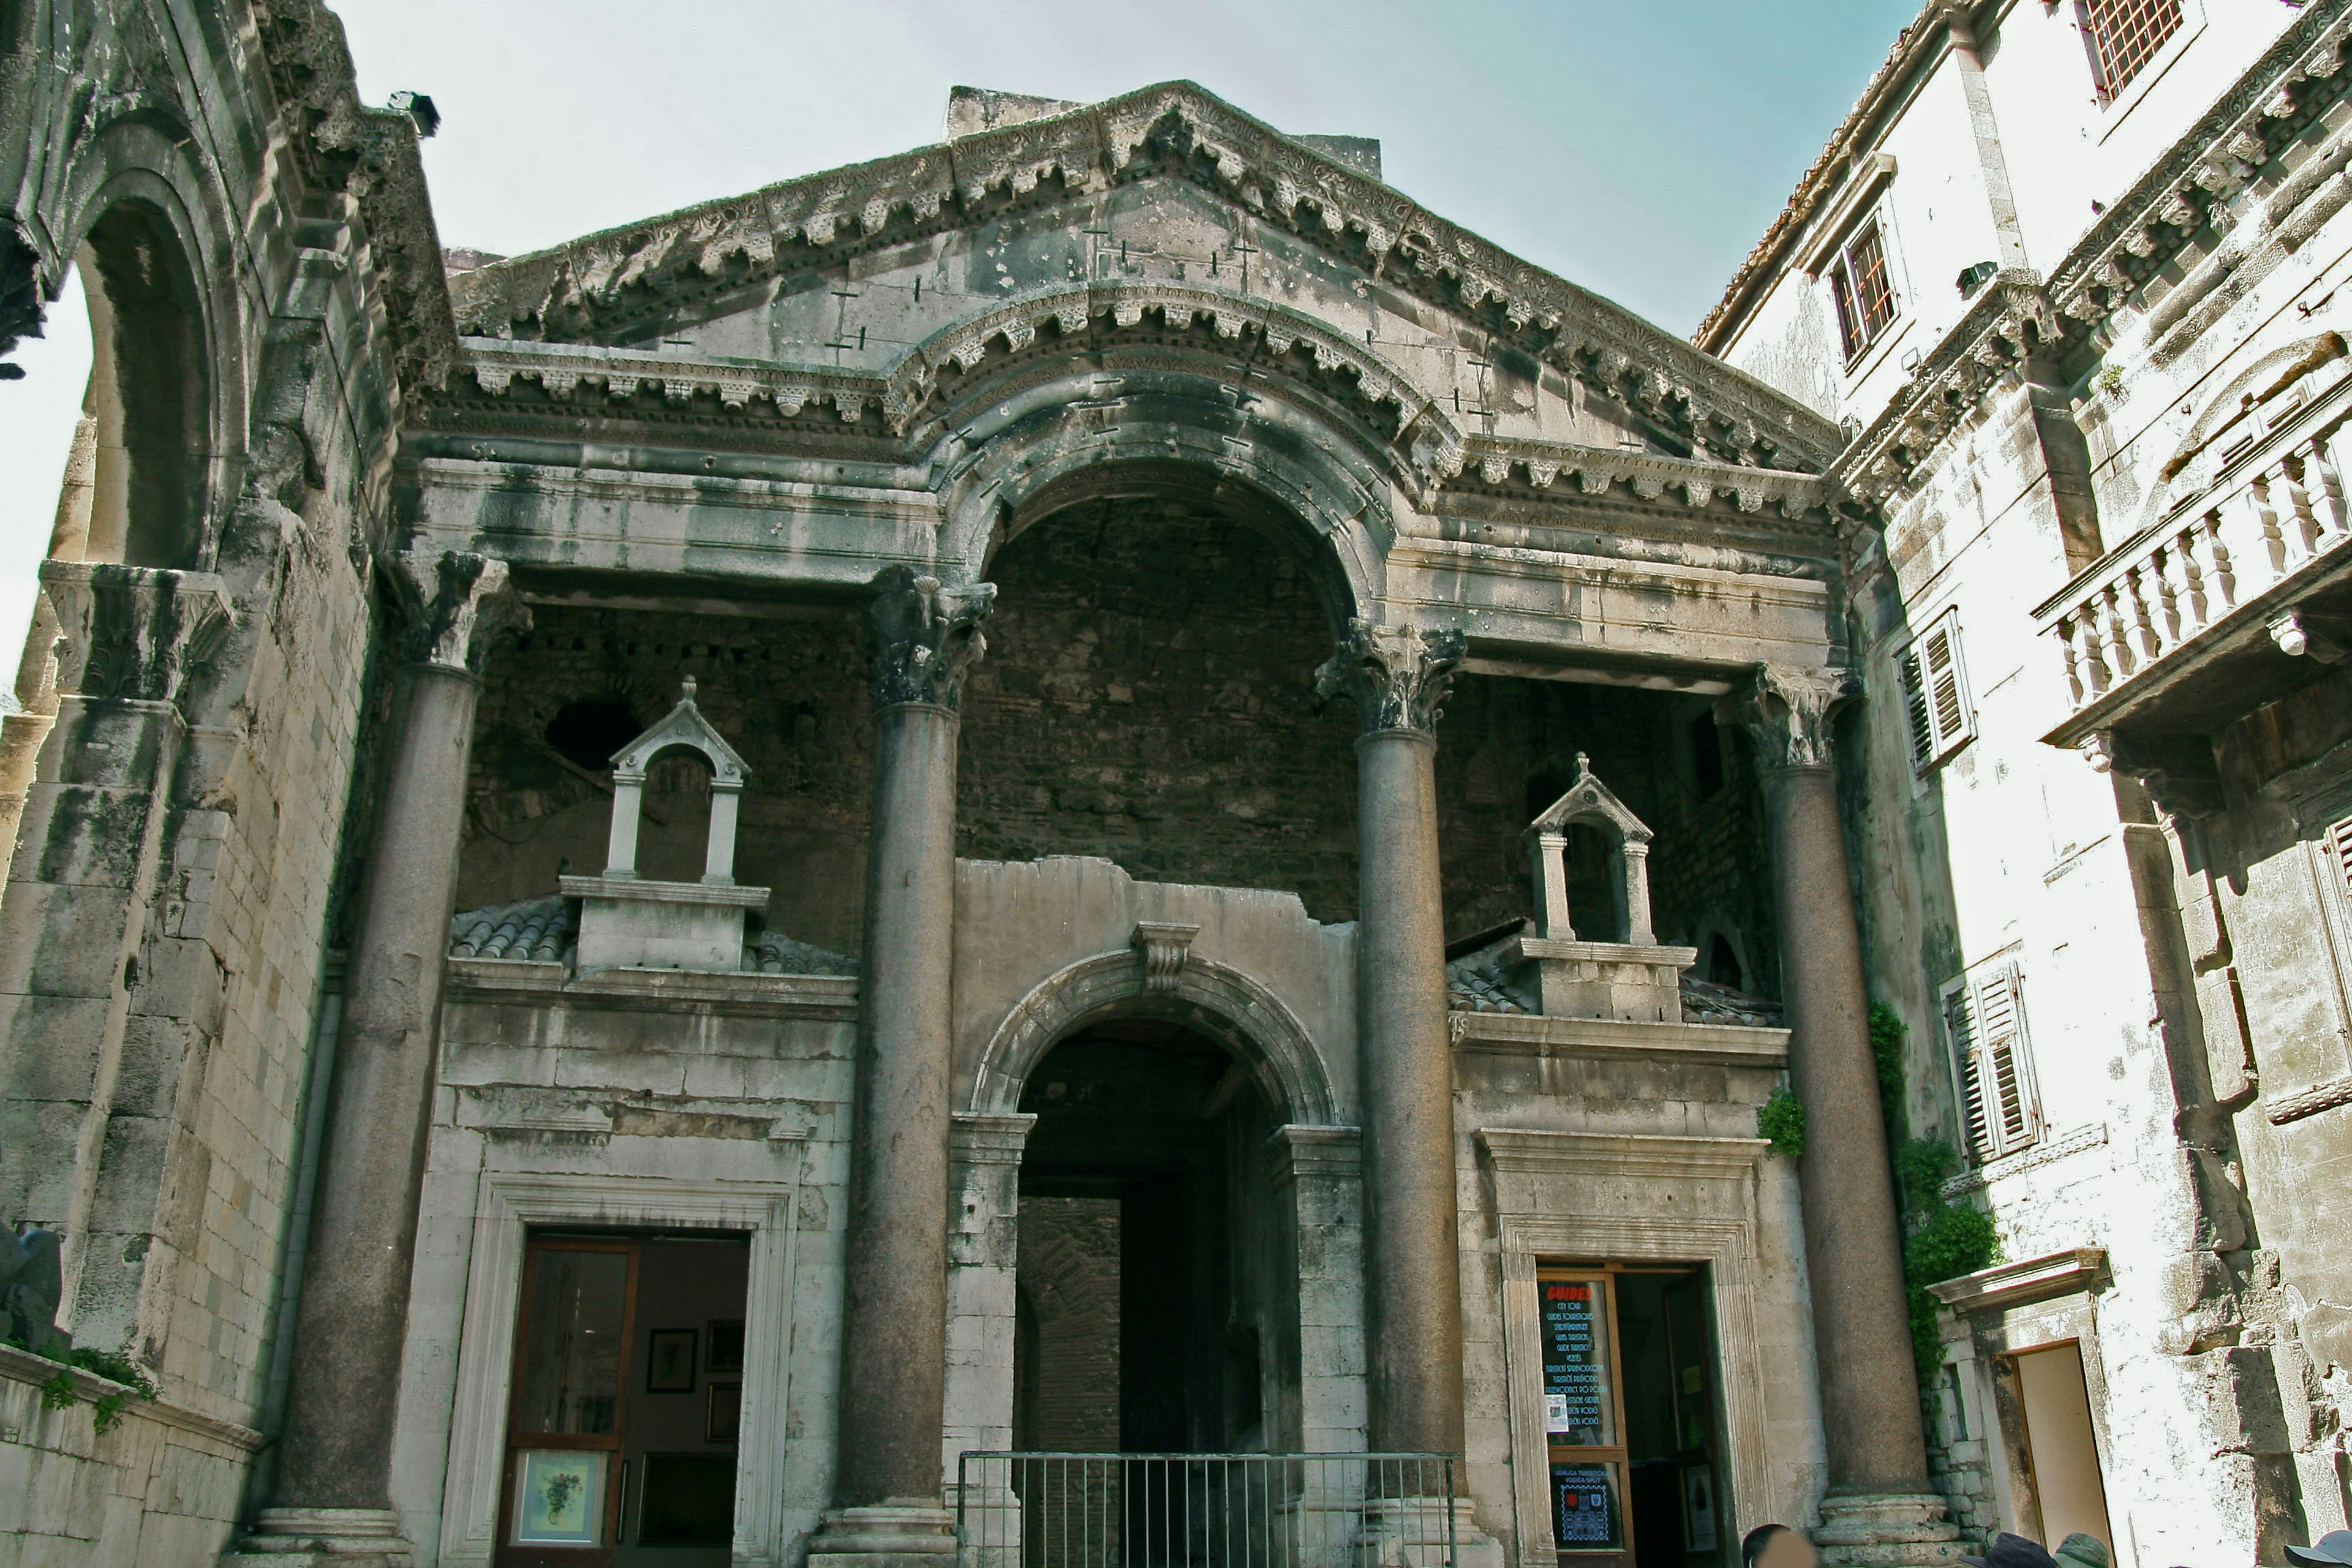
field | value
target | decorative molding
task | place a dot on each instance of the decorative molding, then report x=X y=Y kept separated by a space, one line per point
x=458 y=601
x=508 y=1203
x=23 y=1366
x=134 y=632
x=601 y=284
x=1164 y=949
x=1332 y=1152
x=1611 y=1039
x=1650 y=476
x=2311 y=1101
x=2032 y=1279
x=1223 y=1002
x=1542 y=1152
x=1397 y=677
x=984 y=1138
x=926 y=636
x=1786 y=712
x=2024 y=1160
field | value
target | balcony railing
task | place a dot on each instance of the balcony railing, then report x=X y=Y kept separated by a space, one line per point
x=2221 y=566
x=1205 y=1511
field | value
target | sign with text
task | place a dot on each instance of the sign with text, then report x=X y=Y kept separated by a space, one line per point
x=1575 y=1361
x=1583 y=1507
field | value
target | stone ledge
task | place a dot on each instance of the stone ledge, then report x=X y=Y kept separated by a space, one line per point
x=2016 y=1284
x=23 y=1366
x=1612 y=1039
x=643 y=890
x=2024 y=1160
x=1546 y=1152
x=549 y=984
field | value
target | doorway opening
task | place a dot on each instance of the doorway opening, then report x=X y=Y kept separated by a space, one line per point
x=2060 y=1451
x=627 y=1401
x=1633 y=1416
x=1145 y=1297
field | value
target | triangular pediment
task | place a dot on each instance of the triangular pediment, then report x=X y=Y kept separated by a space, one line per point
x=1163 y=199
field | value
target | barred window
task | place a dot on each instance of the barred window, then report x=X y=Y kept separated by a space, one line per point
x=1935 y=692
x=2124 y=36
x=1863 y=291
x=1985 y=1019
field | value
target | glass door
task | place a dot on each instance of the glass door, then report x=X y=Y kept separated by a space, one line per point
x=1584 y=1417
x=564 y=1475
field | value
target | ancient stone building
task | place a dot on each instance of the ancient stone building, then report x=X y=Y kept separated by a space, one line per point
x=1101 y=789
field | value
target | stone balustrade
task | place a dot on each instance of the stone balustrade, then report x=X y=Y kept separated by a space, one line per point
x=2231 y=558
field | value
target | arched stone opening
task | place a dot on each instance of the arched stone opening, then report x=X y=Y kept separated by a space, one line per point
x=1147 y=696
x=150 y=403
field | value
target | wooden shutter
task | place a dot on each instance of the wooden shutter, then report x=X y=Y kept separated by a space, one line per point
x=1986 y=1020
x=1936 y=693
x=2339 y=854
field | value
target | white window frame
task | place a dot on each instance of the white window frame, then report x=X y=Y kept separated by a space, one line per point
x=1939 y=711
x=2014 y=1121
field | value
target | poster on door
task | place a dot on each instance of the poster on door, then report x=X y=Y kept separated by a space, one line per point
x=1574 y=1386
x=1583 y=1514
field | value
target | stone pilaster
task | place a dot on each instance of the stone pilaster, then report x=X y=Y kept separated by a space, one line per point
x=1397 y=677
x=90 y=1096
x=888 y=1487
x=1881 y=1508
x=332 y=1498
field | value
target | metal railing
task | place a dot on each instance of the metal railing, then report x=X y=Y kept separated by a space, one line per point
x=1206 y=1511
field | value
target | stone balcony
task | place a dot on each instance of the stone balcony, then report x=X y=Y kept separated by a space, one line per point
x=2235 y=594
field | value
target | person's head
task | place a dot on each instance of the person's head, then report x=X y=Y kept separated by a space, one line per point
x=2009 y=1550
x=2083 y=1550
x=1776 y=1546
x=2333 y=1550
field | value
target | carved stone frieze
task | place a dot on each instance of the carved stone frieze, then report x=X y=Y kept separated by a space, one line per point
x=456 y=601
x=1398 y=676
x=596 y=285
x=134 y=632
x=926 y=636
x=1787 y=710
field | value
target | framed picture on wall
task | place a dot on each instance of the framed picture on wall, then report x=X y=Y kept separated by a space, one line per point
x=723 y=1354
x=724 y=1417
x=670 y=1365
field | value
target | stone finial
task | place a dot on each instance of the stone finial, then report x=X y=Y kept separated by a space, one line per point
x=1786 y=710
x=1165 y=949
x=1589 y=800
x=456 y=599
x=1398 y=676
x=926 y=636
x=134 y=632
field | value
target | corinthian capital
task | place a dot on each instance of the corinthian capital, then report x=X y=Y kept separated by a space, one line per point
x=1786 y=710
x=134 y=632
x=456 y=599
x=1396 y=676
x=926 y=636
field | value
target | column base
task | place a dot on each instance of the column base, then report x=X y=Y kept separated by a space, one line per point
x=885 y=1535
x=1886 y=1529
x=1411 y=1532
x=323 y=1538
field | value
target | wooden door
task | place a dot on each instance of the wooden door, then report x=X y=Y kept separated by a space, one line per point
x=1584 y=1417
x=567 y=1422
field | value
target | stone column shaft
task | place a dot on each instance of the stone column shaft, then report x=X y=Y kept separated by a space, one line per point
x=887 y=1477
x=1882 y=1507
x=334 y=1474
x=1397 y=677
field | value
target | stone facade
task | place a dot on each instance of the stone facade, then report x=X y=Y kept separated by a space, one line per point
x=1109 y=735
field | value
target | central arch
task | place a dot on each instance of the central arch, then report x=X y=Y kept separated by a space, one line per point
x=1211 y=999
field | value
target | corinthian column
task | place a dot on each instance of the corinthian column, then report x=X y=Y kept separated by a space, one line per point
x=894 y=1339
x=1882 y=1506
x=332 y=1491
x=1397 y=677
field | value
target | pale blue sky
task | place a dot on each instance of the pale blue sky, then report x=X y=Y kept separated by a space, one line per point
x=1638 y=148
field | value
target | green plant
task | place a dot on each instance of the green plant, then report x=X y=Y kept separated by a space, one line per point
x=2109 y=381
x=1888 y=1036
x=1949 y=1241
x=1781 y=1120
x=59 y=1392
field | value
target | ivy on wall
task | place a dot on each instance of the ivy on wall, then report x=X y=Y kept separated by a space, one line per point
x=1941 y=1240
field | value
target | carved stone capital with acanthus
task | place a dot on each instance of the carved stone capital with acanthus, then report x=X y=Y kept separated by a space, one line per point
x=1786 y=710
x=926 y=636
x=134 y=633
x=456 y=601
x=1398 y=676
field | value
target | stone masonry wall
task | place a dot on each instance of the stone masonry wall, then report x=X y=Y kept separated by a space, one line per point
x=789 y=694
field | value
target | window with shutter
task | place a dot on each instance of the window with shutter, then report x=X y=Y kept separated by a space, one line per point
x=1986 y=1019
x=2339 y=854
x=1936 y=693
